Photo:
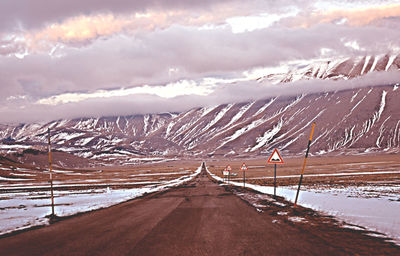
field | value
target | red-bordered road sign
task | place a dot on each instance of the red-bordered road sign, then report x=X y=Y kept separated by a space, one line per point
x=244 y=167
x=229 y=168
x=275 y=158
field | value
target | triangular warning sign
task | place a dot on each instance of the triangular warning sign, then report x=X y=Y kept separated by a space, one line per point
x=275 y=158
x=244 y=167
x=228 y=168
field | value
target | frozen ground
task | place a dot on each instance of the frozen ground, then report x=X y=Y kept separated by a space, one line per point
x=27 y=209
x=374 y=207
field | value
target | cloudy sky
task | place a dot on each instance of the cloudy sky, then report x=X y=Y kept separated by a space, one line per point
x=76 y=58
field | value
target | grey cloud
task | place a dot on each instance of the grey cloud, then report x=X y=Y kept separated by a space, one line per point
x=146 y=58
x=33 y=14
x=143 y=104
x=28 y=14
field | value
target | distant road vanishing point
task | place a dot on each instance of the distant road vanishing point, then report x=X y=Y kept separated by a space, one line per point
x=198 y=218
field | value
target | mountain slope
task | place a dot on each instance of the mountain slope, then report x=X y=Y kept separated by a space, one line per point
x=346 y=68
x=353 y=121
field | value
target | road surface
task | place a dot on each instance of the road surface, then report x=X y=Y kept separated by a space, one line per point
x=199 y=218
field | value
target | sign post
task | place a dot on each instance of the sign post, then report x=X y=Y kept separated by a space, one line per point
x=275 y=158
x=225 y=173
x=51 y=177
x=244 y=169
x=229 y=169
x=274 y=179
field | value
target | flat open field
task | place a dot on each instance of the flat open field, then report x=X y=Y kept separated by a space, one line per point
x=18 y=177
x=199 y=218
x=340 y=170
x=25 y=190
x=362 y=190
x=331 y=185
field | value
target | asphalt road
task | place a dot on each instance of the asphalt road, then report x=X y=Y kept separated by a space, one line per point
x=200 y=218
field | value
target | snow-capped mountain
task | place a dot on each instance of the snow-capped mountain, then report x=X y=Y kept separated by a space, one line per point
x=345 y=68
x=354 y=121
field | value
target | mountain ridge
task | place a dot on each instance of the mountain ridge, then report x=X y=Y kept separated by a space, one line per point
x=353 y=121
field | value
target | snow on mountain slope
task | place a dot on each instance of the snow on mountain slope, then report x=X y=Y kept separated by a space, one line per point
x=354 y=121
x=345 y=69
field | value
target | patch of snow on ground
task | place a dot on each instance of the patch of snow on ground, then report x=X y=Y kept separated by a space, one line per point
x=159 y=174
x=297 y=219
x=388 y=192
x=377 y=235
x=22 y=174
x=13 y=179
x=329 y=175
x=352 y=227
x=376 y=214
x=27 y=209
x=280 y=204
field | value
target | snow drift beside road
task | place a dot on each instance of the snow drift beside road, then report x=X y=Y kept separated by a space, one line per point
x=28 y=209
x=376 y=214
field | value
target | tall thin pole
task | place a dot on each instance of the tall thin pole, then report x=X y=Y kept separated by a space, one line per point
x=304 y=164
x=275 y=180
x=244 y=179
x=51 y=177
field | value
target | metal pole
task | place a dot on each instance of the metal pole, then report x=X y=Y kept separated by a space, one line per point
x=51 y=178
x=244 y=179
x=275 y=180
x=304 y=164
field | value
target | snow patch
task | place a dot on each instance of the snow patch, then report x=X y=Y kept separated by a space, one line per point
x=268 y=135
x=297 y=219
x=367 y=59
x=262 y=109
x=390 y=62
x=24 y=210
x=377 y=214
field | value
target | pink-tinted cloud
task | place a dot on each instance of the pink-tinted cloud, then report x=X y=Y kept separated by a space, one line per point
x=193 y=54
x=54 y=47
x=353 y=17
x=36 y=14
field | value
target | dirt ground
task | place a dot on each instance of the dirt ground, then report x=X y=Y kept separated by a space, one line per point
x=259 y=172
x=198 y=218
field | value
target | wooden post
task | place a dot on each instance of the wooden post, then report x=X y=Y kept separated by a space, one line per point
x=304 y=164
x=275 y=180
x=51 y=177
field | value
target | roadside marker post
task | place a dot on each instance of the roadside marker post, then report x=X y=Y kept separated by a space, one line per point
x=304 y=164
x=275 y=158
x=51 y=176
x=244 y=169
x=225 y=173
x=229 y=169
